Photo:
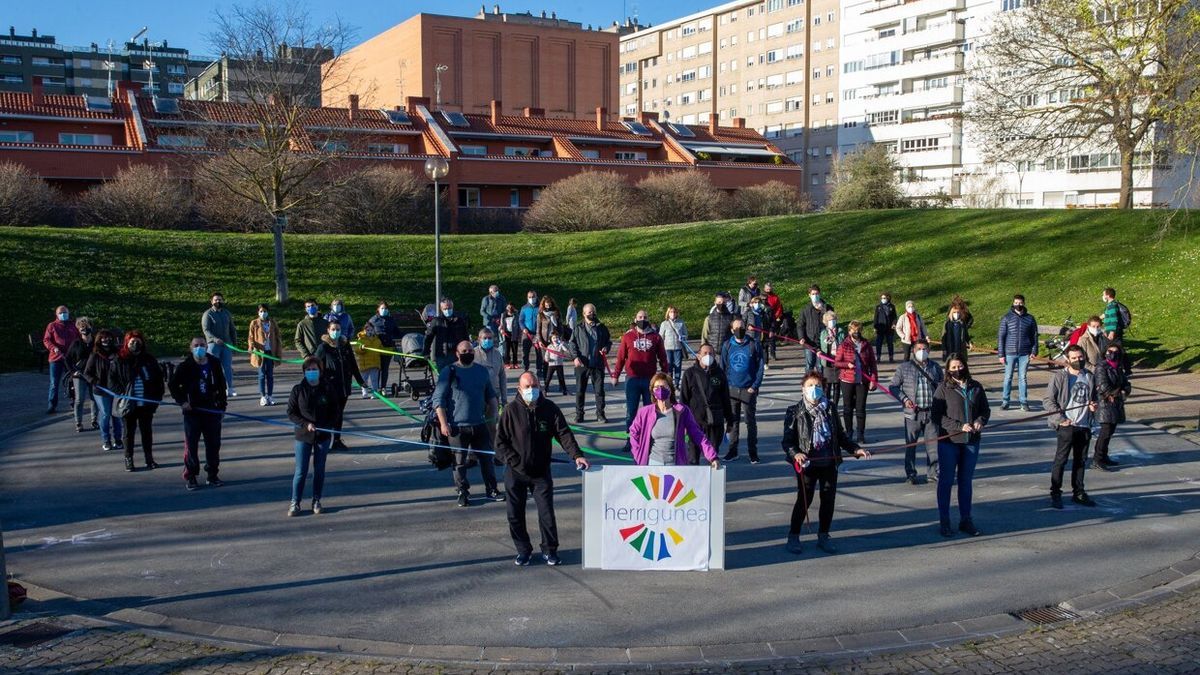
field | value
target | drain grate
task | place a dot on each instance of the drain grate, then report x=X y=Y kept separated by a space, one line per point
x=1044 y=616
x=32 y=635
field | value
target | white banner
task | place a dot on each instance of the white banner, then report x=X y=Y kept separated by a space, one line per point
x=654 y=518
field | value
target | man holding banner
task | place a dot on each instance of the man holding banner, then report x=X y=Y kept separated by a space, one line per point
x=524 y=434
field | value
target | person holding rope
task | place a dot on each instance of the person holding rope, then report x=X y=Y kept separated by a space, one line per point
x=368 y=352
x=1071 y=401
x=338 y=364
x=263 y=338
x=58 y=337
x=640 y=355
x=388 y=332
x=310 y=329
x=198 y=386
x=463 y=400
x=137 y=374
x=960 y=412
x=856 y=360
x=659 y=431
x=312 y=407
x=548 y=321
x=527 y=427
x=674 y=334
x=705 y=392
x=590 y=344
x=444 y=331
x=556 y=355
x=813 y=441
x=742 y=361
x=219 y=330
x=812 y=320
x=832 y=337
x=1112 y=389
x=915 y=383
x=775 y=318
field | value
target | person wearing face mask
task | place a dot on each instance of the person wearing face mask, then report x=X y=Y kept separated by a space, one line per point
x=814 y=441
x=58 y=337
x=674 y=335
x=99 y=373
x=757 y=321
x=705 y=391
x=774 y=319
x=366 y=353
x=1093 y=342
x=77 y=357
x=220 y=332
x=510 y=336
x=1016 y=344
x=659 y=433
x=640 y=356
x=960 y=412
x=527 y=427
x=312 y=406
x=263 y=336
x=1071 y=401
x=137 y=374
x=488 y=355
x=590 y=344
x=885 y=326
x=956 y=334
x=198 y=386
x=340 y=367
x=527 y=323
x=715 y=331
x=463 y=400
x=388 y=332
x=856 y=360
x=743 y=363
x=910 y=327
x=832 y=337
x=491 y=307
x=571 y=317
x=750 y=290
x=443 y=332
x=337 y=314
x=548 y=322
x=914 y=383
x=557 y=354
x=811 y=323
x=1112 y=389
x=310 y=329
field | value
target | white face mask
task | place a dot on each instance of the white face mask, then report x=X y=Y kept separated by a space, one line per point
x=832 y=325
x=706 y=360
x=922 y=354
x=1094 y=330
x=530 y=395
x=909 y=308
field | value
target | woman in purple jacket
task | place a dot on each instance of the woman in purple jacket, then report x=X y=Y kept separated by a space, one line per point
x=657 y=435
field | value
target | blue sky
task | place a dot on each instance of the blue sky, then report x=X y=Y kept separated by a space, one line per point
x=184 y=23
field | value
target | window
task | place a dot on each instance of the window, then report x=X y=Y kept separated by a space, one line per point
x=335 y=146
x=774 y=5
x=829 y=17
x=704 y=72
x=850 y=123
x=47 y=61
x=795 y=26
x=794 y=103
x=1010 y=5
x=816 y=99
x=1055 y=164
x=176 y=69
x=468 y=197
x=57 y=80
x=829 y=97
x=519 y=151
x=631 y=156
x=919 y=144
x=816 y=21
x=774 y=107
x=816 y=179
x=179 y=141
x=16 y=136
x=886 y=32
x=687 y=30
x=774 y=81
x=85 y=82
x=85 y=139
x=829 y=43
x=937 y=82
x=476 y=150
x=10 y=59
x=795 y=77
x=774 y=55
x=829 y=151
x=537 y=194
x=883 y=118
x=775 y=30
x=174 y=87
x=1028 y=100
x=852 y=67
x=387 y=148
x=849 y=94
x=514 y=198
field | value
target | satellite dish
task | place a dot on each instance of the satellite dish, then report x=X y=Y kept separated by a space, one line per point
x=666 y=114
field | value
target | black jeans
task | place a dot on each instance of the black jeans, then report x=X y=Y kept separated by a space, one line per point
x=385 y=364
x=510 y=351
x=339 y=414
x=582 y=375
x=1100 y=455
x=921 y=425
x=814 y=478
x=890 y=338
x=518 y=488
x=1073 y=442
x=908 y=349
x=854 y=406
x=526 y=345
x=743 y=399
x=713 y=431
x=474 y=437
x=551 y=372
x=195 y=425
x=141 y=418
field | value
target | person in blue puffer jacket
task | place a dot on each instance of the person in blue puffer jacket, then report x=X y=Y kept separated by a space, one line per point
x=1016 y=344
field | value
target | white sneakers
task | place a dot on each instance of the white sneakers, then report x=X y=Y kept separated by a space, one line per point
x=265 y=401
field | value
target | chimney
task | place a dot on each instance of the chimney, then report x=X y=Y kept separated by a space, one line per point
x=34 y=33
x=353 y=107
x=497 y=109
x=39 y=94
x=601 y=117
x=534 y=112
x=712 y=124
x=414 y=101
x=645 y=116
x=496 y=9
x=739 y=123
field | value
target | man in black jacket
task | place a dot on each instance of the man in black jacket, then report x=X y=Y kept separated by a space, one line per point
x=705 y=390
x=443 y=334
x=811 y=322
x=590 y=344
x=198 y=386
x=526 y=429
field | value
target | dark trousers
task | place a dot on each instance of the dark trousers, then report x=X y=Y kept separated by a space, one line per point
x=385 y=365
x=908 y=348
x=637 y=394
x=551 y=372
x=196 y=425
x=854 y=406
x=749 y=402
x=713 y=431
x=510 y=351
x=582 y=376
x=913 y=430
x=317 y=452
x=957 y=467
x=141 y=417
x=1073 y=442
x=833 y=394
x=814 y=478
x=1102 y=439
x=474 y=437
x=339 y=415
x=518 y=489
x=526 y=346
x=889 y=337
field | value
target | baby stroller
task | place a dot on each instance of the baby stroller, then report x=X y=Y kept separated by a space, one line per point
x=439 y=457
x=416 y=377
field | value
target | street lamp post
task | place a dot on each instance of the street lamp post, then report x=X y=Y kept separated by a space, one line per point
x=437 y=168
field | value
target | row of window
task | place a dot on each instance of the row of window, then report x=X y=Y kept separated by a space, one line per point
x=84 y=82
x=7 y=136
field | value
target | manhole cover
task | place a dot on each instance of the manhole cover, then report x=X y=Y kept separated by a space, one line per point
x=33 y=634
x=1043 y=616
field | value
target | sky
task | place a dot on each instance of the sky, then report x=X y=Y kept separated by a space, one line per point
x=186 y=23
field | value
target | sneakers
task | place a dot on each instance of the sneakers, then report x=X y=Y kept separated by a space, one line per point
x=365 y=395
x=1056 y=502
x=579 y=419
x=1101 y=466
x=912 y=480
x=317 y=510
x=191 y=484
x=826 y=544
x=551 y=559
x=1110 y=462
x=79 y=428
x=339 y=445
x=1024 y=407
x=947 y=531
x=601 y=418
x=1083 y=499
x=118 y=444
x=95 y=424
x=270 y=400
x=861 y=438
x=496 y=495
x=262 y=401
x=522 y=560
x=214 y=481
x=232 y=393
x=293 y=510
x=730 y=456
x=107 y=447
x=968 y=528
x=129 y=464
x=464 y=498
x=793 y=544
x=151 y=464
x=754 y=460
x=1005 y=405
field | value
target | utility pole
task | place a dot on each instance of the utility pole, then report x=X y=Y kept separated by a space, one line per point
x=5 y=610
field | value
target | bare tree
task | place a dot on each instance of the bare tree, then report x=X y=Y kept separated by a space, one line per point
x=866 y=179
x=589 y=200
x=680 y=197
x=1061 y=76
x=25 y=199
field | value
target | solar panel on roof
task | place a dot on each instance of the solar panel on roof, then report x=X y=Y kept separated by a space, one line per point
x=99 y=104
x=166 y=106
x=397 y=116
x=636 y=127
x=455 y=119
x=682 y=130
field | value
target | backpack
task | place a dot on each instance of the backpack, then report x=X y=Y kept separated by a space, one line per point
x=1124 y=318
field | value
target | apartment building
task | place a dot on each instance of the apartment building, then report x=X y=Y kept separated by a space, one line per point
x=294 y=71
x=773 y=63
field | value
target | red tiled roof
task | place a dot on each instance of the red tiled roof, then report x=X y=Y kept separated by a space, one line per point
x=53 y=105
x=367 y=119
x=544 y=126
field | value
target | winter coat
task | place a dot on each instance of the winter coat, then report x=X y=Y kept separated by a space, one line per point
x=685 y=427
x=706 y=394
x=828 y=345
x=442 y=336
x=1111 y=383
x=776 y=307
x=125 y=370
x=715 y=331
x=493 y=360
x=1018 y=335
x=58 y=338
x=99 y=369
x=1057 y=400
x=885 y=319
x=367 y=359
x=956 y=336
x=674 y=334
x=590 y=343
x=547 y=324
x=797 y=437
x=200 y=386
x=491 y=308
x=315 y=405
x=812 y=320
x=386 y=329
x=903 y=327
x=263 y=333
x=309 y=332
x=338 y=364
x=906 y=378
x=1093 y=348
x=953 y=409
x=342 y=319
x=744 y=295
x=524 y=435
x=845 y=361
x=77 y=356
x=218 y=325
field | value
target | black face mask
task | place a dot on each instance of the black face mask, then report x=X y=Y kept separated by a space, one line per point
x=643 y=324
x=739 y=333
x=1077 y=364
x=218 y=305
x=135 y=348
x=1019 y=309
x=960 y=375
x=1113 y=356
x=466 y=359
x=107 y=345
x=590 y=317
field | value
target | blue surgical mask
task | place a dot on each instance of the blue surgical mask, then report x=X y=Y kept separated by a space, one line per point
x=312 y=311
x=335 y=334
x=447 y=313
x=199 y=352
x=815 y=393
x=383 y=311
x=337 y=309
x=63 y=316
x=312 y=376
x=486 y=343
x=263 y=315
x=530 y=395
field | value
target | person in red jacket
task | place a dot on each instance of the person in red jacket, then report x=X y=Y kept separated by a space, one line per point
x=775 y=313
x=60 y=334
x=640 y=355
x=856 y=360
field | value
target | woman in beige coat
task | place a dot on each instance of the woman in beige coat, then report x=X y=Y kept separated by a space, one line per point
x=263 y=338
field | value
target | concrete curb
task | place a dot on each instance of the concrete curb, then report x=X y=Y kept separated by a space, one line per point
x=1182 y=577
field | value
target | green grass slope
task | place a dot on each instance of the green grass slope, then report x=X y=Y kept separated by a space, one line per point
x=160 y=281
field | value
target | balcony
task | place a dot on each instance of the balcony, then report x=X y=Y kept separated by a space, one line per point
x=915 y=129
x=918 y=67
x=892 y=11
x=949 y=153
x=944 y=32
x=925 y=98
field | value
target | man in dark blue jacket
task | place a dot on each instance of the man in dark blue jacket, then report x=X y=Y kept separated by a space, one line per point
x=589 y=346
x=1016 y=344
x=742 y=361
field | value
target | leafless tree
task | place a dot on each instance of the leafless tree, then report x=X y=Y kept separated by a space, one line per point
x=773 y=198
x=590 y=200
x=142 y=196
x=680 y=197
x=25 y=199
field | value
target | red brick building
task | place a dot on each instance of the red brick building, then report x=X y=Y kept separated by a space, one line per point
x=497 y=162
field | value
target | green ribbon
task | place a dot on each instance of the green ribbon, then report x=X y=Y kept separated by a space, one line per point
x=408 y=356
x=262 y=354
x=395 y=407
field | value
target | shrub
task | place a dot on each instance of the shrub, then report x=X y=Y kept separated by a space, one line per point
x=867 y=180
x=680 y=197
x=140 y=196
x=773 y=198
x=25 y=199
x=381 y=200
x=591 y=200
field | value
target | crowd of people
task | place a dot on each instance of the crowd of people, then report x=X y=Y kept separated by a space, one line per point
x=674 y=415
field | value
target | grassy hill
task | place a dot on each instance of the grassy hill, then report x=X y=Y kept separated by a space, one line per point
x=1060 y=260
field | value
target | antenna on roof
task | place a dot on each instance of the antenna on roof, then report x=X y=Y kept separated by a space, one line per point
x=110 y=66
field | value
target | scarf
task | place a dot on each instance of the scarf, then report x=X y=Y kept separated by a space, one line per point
x=914 y=331
x=821 y=428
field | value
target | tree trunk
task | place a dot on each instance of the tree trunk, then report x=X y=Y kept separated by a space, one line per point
x=281 y=282
x=1125 y=200
x=5 y=610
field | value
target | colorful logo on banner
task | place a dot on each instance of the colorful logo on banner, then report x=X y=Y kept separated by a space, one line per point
x=650 y=543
